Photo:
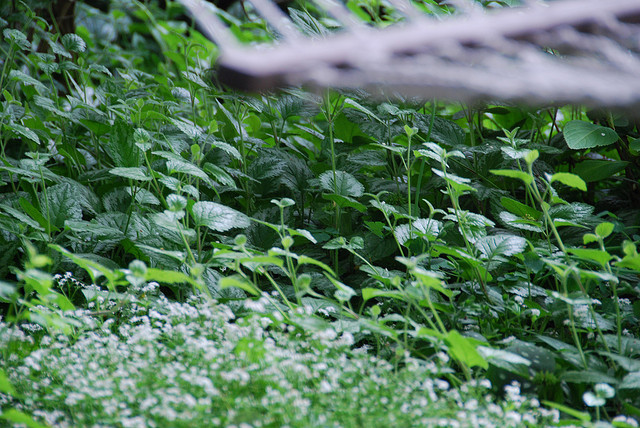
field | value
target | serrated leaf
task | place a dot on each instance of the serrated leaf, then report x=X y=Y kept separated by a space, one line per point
x=25 y=79
x=217 y=217
x=184 y=167
x=120 y=146
x=133 y=173
x=570 y=180
x=96 y=229
x=344 y=184
x=584 y=135
x=63 y=204
x=501 y=245
x=190 y=130
x=74 y=43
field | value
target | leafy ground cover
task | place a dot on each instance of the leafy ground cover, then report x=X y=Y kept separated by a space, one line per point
x=174 y=253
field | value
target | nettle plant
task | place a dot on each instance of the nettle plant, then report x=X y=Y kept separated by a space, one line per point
x=419 y=228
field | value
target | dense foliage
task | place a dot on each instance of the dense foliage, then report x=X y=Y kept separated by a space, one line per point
x=201 y=256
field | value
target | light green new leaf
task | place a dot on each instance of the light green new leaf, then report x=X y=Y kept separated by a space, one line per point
x=5 y=385
x=570 y=180
x=604 y=229
x=584 y=135
x=512 y=173
x=18 y=417
x=464 y=350
x=238 y=282
x=217 y=217
x=370 y=293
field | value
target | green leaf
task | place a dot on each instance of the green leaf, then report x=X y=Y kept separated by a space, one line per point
x=588 y=376
x=36 y=215
x=582 y=416
x=18 y=417
x=5 y=385
x=464 y=349
x=501 y=245
x=63 y=202
x=598 y=256
x=512 y=173
x=23 y=131
x=238 y=282
x=370 y=293
x=570 y=180
x=584 y=135
x=520 y=209
x=345 y=201
x=133 y=173
x=120 y=146
x=217 y=217
x=631 y=381
x=73 y=43
x=604 y=229
x=594 y=170
x=344 y=184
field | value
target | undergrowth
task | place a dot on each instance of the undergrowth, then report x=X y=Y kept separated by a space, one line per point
x=300 y=259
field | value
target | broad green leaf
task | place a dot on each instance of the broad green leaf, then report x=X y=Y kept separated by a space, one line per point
x=20 y=418
x=584 y=135
x=345 y=201
x=23 y=131
x=217 y=217
x=520 y=223
x=133 y=173
x=63 y=203
x=344 y=184
x=169 y=277
x=464 y=349
x=35 y=214
x=588 y=376
x=27 y=80
x=238 y=282
x=5 y=385
x=570 y=180
x=120 y=146
x=184 y=167
x=21 y=217
x=73 y=43
x=512 y=173
x=370 y=293
x=520 y=209
x=594 y=170
x=598 y=256
x=500 y=245
x=631 y=381
x=96 y=229
x=604 y=229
